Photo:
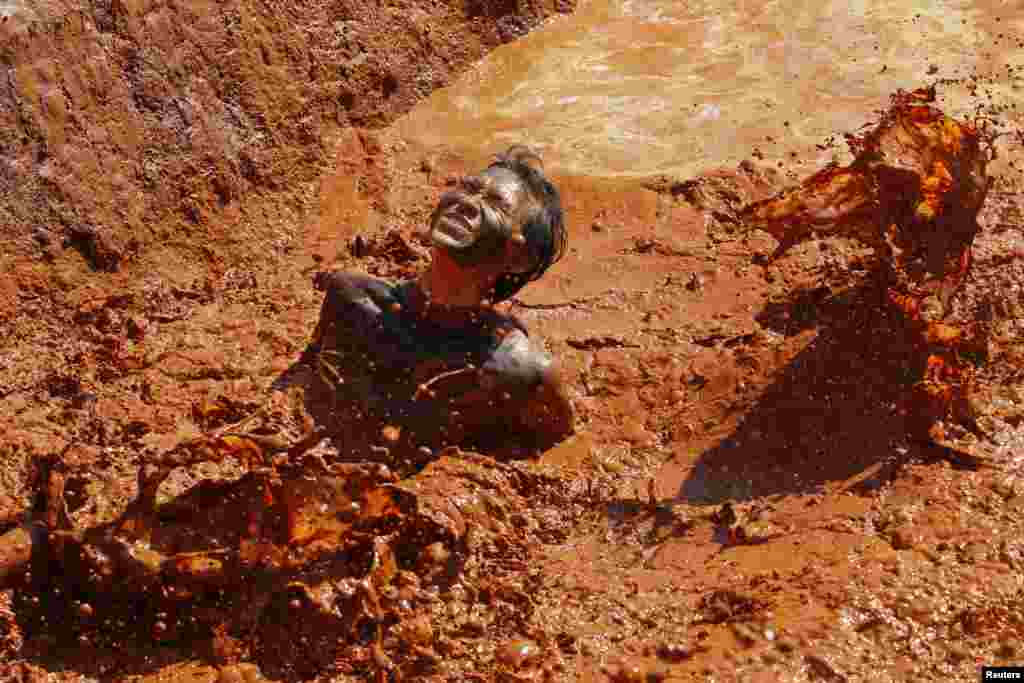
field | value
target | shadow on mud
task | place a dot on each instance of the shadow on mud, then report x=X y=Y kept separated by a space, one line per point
x=836 y=410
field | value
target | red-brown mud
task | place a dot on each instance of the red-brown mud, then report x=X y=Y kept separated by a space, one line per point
x=912 y=194
x=743 y=499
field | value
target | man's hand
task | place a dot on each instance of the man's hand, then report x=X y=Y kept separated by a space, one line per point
x=547 y=412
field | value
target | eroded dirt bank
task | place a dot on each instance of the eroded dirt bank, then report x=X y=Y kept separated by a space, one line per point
x=741 y=499
x=161 y=148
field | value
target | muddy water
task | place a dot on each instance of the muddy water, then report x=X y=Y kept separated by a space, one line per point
x=637 y=87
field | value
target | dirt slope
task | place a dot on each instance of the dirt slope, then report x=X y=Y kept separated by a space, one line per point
x=162 y=152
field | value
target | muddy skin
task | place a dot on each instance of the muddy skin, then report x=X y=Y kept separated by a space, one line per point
x=407 y=369
x=473 y=380
x=473 y=231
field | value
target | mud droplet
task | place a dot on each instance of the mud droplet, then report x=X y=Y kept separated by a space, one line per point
x=786 y=645
x=821 y=666
x=474 y=626
x=632 y=671
x=437 y=553
x=674 y=652
x=41 y=235
x=744 y=634
x=904 y=539
x=419 y=631
x=958 y=653
x=518 y=653
x=1006 y=651
x=611 y=466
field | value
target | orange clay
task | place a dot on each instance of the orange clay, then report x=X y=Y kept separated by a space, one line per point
x=913 y=193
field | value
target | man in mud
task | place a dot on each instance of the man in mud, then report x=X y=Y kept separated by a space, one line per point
x=411 y=367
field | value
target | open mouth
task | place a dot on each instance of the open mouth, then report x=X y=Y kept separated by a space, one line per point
x=453 y=229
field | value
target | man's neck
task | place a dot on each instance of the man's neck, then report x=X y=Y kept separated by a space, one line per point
x=446 y=284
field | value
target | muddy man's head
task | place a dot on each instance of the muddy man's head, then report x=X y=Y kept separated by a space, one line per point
x=509 y=217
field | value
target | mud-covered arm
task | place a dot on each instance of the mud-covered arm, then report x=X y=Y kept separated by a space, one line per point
x=354 y=306
x=529 y=387
x=515 y=397
x=547 y=411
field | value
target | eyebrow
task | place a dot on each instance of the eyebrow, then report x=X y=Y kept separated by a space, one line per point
x=493 y=188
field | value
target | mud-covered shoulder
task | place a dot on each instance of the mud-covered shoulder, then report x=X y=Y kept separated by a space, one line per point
x=517 y=361
x=355 y=307
x=353 y=286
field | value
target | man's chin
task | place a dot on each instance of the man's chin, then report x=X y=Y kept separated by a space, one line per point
x=442 y=239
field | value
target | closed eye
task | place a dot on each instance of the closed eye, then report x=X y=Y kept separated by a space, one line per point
x=499 y=201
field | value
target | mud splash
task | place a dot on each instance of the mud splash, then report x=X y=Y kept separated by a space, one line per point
x=305 y=565
x=913 y=195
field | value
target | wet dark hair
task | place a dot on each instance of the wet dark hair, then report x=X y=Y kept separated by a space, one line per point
x=544 y=230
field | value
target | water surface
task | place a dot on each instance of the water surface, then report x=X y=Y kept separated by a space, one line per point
x=639 y=87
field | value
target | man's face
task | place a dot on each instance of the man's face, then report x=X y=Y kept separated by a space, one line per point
x=474 y=222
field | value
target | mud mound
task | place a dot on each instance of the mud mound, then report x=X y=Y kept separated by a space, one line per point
x=132 y=124
x=305 y=565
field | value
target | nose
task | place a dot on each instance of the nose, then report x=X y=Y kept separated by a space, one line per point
x=467 y=209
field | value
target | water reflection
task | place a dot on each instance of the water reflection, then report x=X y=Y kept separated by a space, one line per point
x=635 y=87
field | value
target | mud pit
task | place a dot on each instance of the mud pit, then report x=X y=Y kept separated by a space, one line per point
x=587 y=561
x=743 y=498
